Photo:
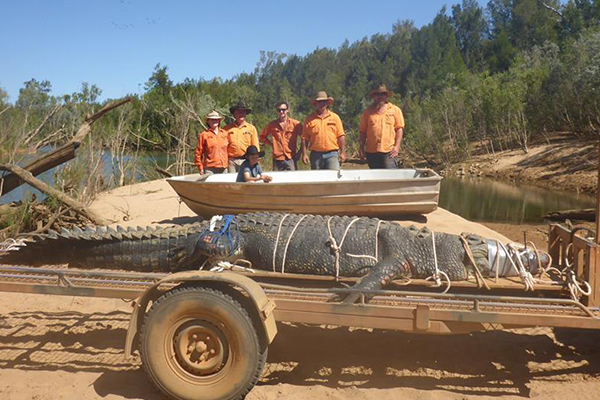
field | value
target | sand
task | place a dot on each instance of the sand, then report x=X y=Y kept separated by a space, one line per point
x=54 y=347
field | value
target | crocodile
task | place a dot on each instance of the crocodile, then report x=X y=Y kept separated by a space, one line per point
x=374 y=250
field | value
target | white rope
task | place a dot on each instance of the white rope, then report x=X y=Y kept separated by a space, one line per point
x=226 y=265
x=277 y=239
x=526 y=277
x=375 y=258
x=575 y=288
x=288 y=243
x=438 y=274
x=336 y=249
x=213 y=222
x=377 y=241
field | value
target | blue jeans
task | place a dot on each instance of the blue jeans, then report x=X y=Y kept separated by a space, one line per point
x=284 y=165
x=325 y=160
x=381 y=161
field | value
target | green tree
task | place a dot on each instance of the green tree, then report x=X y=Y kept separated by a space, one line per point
x=470 y=29
x=435 y=56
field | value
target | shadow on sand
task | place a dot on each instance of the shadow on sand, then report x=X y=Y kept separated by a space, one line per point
x=488 y=363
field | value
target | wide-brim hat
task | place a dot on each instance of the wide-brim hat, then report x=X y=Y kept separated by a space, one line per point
x=214 y=114
x=251 y=150
x=322 y=96
x=381 y=89
x=240 y=105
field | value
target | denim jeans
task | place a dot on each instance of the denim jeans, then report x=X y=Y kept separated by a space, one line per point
x=325 y=160
x=284 y=165
x=381 y=161
x=235 y=164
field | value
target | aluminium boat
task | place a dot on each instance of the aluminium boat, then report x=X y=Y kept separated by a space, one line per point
x=375 y=193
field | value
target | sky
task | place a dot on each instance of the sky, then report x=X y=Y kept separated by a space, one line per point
x=115 y=44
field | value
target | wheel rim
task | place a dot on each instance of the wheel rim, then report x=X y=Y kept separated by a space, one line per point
x=199 y=348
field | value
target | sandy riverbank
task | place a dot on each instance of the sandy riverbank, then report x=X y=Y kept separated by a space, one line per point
x=55 y=347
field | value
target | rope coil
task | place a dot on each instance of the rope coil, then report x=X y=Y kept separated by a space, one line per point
x=437 y=275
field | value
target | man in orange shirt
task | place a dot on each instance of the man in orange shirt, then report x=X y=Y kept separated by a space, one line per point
x=284 y=132
x=211 y=150
x=241 y=134
x=323 y=133
x=381 y=130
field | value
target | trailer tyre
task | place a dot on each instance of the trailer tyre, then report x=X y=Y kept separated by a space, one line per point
x=199 y=343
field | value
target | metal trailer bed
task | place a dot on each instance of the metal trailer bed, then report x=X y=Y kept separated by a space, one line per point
x=267 y=297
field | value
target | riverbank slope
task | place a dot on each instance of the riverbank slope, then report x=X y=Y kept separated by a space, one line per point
x=563 y=162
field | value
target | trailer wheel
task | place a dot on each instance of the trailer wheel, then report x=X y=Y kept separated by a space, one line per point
x=199 y=343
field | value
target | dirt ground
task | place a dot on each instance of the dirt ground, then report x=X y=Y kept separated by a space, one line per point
x=54 y=347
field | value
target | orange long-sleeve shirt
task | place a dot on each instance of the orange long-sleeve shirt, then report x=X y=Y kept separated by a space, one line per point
x=240 y=137
x=323 y=133
x=380 y=127
x=211 y=150
x=283 y=139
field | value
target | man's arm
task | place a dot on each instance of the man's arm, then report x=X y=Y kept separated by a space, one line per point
x=399 y=129
x=305 y=142
x=198 y=156
x=362 y=136
x=397 y=142
x=342 y=143
x=297 y=133
x=254 y=138
x=341 y=139
x=264 y=136
x=304 y=155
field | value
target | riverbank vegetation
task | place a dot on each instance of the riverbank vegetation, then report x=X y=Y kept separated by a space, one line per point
x=493 y=78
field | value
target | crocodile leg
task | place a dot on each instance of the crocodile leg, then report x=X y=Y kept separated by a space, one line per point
x=378 y=277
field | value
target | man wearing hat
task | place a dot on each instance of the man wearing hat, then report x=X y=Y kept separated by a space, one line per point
x=211 y=150
x=283 y=133
x=381 y=130
x=250 y=170
x=240 y=134
x=323 y=133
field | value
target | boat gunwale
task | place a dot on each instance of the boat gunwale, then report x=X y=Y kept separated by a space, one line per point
x=436 y=177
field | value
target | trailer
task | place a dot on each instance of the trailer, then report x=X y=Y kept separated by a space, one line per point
x=206 y=334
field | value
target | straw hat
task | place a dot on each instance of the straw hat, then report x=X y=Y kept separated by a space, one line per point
x=240 y=106
x=214 y=115
x=322 y=95
x=381 y=89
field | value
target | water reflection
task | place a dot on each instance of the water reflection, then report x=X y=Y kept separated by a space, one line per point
x=476 y=199
x=480 y=199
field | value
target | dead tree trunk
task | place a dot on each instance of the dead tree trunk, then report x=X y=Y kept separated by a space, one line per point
x=60 y=155
x=77 y=206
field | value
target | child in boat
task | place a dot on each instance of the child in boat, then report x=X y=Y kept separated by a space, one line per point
x=250 y=170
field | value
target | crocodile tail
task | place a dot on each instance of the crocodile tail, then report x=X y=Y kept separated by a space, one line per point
x=142 y=249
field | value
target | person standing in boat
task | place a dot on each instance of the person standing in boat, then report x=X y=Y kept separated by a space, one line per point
x=323 y=133
x=211 y=150
x=284 y=133
x=250 y=170
x=241 y=134
x=381 y=130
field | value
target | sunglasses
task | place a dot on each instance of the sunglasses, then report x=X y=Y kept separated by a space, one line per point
x=282 y=109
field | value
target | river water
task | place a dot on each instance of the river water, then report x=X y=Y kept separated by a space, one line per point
x=487 y=200
x=476 y=199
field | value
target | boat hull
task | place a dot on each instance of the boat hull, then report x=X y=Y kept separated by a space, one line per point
x=378 y=193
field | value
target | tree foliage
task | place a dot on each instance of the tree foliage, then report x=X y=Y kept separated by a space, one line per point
x=500 y=76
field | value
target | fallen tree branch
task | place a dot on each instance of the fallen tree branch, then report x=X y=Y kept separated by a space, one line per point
x=48 y=225
x=77 y=206
x=60 y=155
x=586 y=214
